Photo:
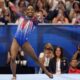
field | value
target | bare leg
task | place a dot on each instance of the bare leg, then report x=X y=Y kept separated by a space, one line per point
x=14 y=51
x=28 y=49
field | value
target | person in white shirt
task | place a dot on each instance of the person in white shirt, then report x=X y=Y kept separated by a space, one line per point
x=46 y=55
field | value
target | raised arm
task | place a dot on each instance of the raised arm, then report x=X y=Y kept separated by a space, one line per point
x=13 y=8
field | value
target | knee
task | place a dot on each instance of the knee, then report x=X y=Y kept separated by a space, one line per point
x=13 y=59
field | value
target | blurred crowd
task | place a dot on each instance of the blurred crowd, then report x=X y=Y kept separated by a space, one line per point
x=45 y=11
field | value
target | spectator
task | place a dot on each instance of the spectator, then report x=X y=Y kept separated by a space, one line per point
x=69 y=4
x=77 y=56
x=32 y=2
x=74 y=11
x=22 y=6
x=60 y=19
x=3 y=18
x=46 y=55
x=76 y=20
x=53 y=4
x=25 y=2
x=7 y=16
x=73 y=67
x=54 y=13
x=40 y=17
x=41 y=6
x=58 y=64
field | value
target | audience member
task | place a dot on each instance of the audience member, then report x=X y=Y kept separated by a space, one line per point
x=58 y=64
x=77 y=56
x=7 y=16
x=74 y=11
x=32 y=2
x=60 y=19
x=53 y=4
x=46 y=55
x=54 y=13
x=69 y=4
x=41 y=6
x=21 y=6
x=4 y=13
x=40 y=17
x=73 y=67
x=18 y=2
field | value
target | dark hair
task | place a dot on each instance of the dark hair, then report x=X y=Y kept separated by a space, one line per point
x=73 y=59
x=61 y=56
x=20 y=3
x=76 y=2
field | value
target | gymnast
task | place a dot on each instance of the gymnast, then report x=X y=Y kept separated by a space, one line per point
x=25 y=26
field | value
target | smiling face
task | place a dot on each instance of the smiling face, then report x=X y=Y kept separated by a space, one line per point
x=73 y=63
x=40 y=16
x=48 y=50
x=30 y=11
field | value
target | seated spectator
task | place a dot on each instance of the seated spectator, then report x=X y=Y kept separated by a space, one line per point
x=46 y=55
x=77 y=56
x=58 y=64
x=60 y=19
x=73 y=67
x=40 y=17
x=74 y=11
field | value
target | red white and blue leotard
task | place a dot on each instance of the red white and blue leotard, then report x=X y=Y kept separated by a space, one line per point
x=25 y=26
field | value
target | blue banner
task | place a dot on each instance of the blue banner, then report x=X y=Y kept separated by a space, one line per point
x=65 y=36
